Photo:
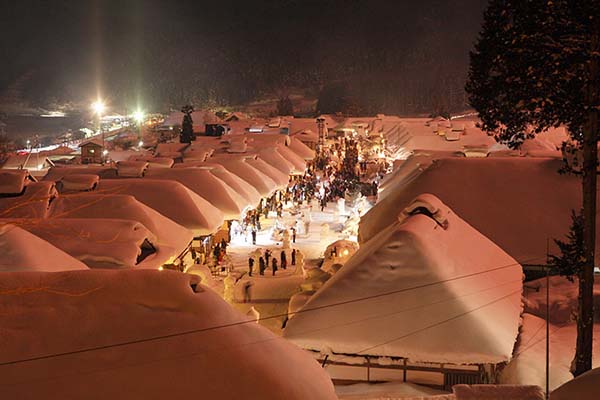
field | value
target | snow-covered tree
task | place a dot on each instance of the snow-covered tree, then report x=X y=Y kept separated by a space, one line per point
x=536 y=66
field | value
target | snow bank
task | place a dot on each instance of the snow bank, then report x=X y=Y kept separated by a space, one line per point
x=412 y=288
x=584 y=387
x=493 y=392
x=528 y=364
x=519 y=203
x=76 y=311
x=171 y=199
x=23 y=251
x=388 y=391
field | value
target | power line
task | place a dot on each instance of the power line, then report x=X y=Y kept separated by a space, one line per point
x=201 y=330
x=268 y=339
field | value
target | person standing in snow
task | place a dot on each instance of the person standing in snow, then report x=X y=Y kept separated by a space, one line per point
x=293 y=256
x=261 y=266
x=253 y=236
x=247 y=287
x=274 y=265
x=267 y=255
x=293 y=234
x=283 y=260
x=250 y=265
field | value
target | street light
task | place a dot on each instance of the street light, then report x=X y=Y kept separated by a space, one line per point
x=98 y=107
x=138 y=116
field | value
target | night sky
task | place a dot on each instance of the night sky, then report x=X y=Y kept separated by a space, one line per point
x=394 y=55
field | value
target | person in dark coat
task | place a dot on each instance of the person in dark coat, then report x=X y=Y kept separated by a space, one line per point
x=274 y=265
x=253 y=236
x=283 y=259
x=247 y=287
x=261 y=266
x=293 y=256
x=293 y=235
x=267 y=255
x=250 y=266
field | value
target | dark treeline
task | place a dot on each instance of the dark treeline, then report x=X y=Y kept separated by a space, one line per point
x=387 y=56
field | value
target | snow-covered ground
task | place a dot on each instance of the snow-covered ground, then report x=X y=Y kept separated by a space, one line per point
x=270 y=294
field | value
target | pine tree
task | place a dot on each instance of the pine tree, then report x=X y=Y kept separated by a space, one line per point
x=285 y=106
x=187 y=125
x=536 y=66
x=572 y=259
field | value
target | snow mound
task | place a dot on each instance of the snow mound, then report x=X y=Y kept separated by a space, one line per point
x=584 y=387
x=77 y=311
x=23 y=251
x=411 y=288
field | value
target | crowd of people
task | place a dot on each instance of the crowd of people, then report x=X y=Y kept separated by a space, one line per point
x=267 y=260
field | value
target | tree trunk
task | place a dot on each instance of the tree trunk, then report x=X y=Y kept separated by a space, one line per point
x=585 y=320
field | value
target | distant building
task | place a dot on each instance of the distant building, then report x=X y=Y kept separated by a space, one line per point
x=91 y=151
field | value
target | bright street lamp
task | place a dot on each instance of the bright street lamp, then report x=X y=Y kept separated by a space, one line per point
x=139 y=116
x=98 y=107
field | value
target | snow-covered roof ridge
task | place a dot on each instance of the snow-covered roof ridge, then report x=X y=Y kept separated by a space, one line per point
x=411 y=288
x=517 y=202
x=188 y=344
x=23 y=251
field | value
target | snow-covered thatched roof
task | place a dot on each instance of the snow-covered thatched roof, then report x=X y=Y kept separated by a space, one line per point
x=99 y=243
x=33 y=203
x=172 y=239
x=206 y=185
x=170 y=198
x=13 y=181
x=188 y=345
x=428 y=287
x=520 y=203
x=23 y=251
x=242 y=168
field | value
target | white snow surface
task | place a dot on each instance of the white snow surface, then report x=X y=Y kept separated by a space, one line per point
x=227 y=358
x=242 y=167
x=584 y=387
x=23 y=251
x=518 y=202
x=418 y=290
x=206 y=185
x=12 y=181
x=171 y=238
x=170 y=198
x=99 y=243
x=33 y=203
